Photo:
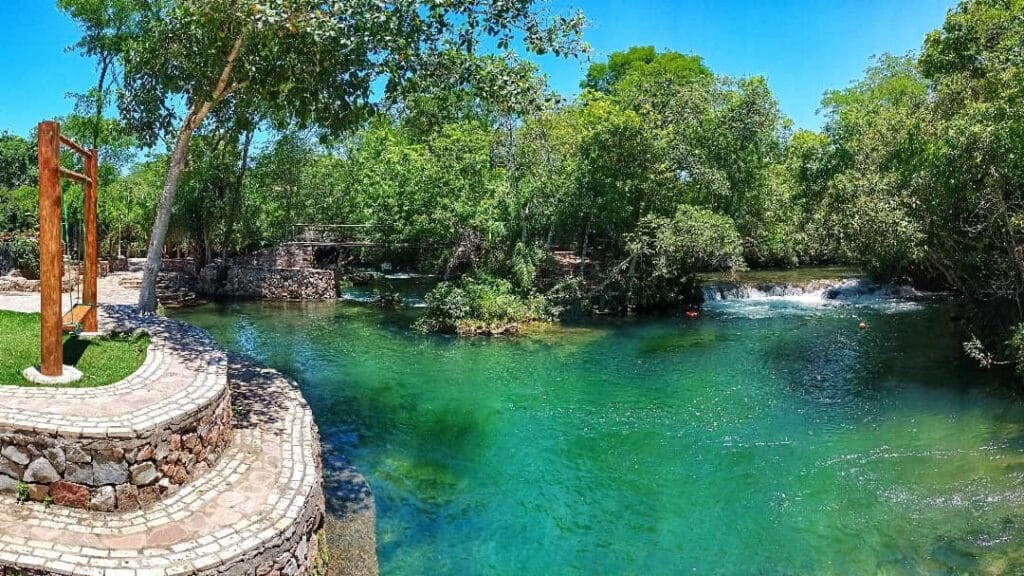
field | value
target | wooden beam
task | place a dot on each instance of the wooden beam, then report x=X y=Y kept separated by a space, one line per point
x=92 y=242
x=51 y=354
x=74 y=146
x=72 y=175
x=78 y=317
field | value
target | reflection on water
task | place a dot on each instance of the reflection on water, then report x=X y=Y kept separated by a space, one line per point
x=766 y=437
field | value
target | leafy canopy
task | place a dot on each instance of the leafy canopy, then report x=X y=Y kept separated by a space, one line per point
x=640 y=61
x=311 y=62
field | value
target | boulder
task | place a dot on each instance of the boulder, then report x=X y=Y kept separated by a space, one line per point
x=40 y=471
x=16 y=454
x=105 y=499
x=109 y=467
x=144 y=474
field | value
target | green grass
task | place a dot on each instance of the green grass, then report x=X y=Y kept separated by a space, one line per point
x=103 y=361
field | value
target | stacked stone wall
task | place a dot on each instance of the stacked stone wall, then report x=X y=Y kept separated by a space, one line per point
x=115 y=473
x=269 y=283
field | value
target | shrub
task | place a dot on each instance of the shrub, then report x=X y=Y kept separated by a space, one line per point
x=665 y=255
x=523 y=267
x=1015 y=347
x=477 y=306
x=25 y=257
x=567 y=300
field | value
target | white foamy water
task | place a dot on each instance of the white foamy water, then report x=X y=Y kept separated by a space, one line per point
x=762 y=301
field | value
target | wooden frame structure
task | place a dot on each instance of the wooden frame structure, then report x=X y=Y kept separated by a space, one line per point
x=82 y=315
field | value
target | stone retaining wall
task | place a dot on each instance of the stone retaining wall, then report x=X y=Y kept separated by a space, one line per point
x=270 y=283
x=240 y=466
x=18 y=284
x=283 y=256
x=125 y=445
x=114 y=474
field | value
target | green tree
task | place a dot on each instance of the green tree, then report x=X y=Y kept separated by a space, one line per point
x=305 y=61
x=617 y=177
x=878 y=129
x=17 y=161
x=106 y=25
x=640 y=61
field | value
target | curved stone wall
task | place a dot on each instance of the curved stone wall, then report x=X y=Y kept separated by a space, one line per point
x=259 y=511
x=126 y=445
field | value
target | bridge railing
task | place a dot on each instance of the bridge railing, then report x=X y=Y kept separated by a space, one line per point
x=364 y=234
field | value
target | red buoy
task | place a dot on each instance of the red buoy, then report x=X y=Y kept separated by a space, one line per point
x=692 y=314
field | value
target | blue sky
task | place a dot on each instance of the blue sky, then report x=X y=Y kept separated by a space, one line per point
x=803 y=47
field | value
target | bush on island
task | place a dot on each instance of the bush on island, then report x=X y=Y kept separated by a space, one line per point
x=478 y=305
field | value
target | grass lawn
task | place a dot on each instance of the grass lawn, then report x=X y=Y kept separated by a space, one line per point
x=103 y=361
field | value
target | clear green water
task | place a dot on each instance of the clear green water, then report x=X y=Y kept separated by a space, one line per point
x=764 y=438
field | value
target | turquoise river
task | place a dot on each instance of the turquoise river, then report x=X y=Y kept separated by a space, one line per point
x=768 y=436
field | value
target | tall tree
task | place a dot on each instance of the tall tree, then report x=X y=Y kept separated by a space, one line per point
x=17 y=161
x=105 y=23
x=643 y=60
x=296 y=61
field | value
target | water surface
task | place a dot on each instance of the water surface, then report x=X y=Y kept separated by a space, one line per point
x=766 y=437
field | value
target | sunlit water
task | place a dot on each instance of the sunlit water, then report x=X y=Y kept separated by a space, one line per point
x=766 y=437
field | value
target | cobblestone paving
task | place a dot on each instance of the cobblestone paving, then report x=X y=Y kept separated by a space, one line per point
x=238 y=517
x=109 y=288
x=258 y=511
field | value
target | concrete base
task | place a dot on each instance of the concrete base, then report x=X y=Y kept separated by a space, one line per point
x=70 y=376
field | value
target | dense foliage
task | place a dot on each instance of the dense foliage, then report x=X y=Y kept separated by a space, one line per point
x=614 y=201
x=184 y=66
x=919 y=168
x=483 y=305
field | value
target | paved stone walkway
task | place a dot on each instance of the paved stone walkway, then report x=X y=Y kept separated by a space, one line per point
x=109 y=288
x=264 y=492
x=184 y=371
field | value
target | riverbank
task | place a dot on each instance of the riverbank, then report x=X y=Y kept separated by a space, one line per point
x=487 y=306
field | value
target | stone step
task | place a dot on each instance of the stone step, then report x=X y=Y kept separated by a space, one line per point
x=259 y=510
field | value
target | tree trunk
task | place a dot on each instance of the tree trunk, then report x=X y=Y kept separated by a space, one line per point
x=236 y=206
x=100 y=100
x=147 y=292
x=196 y=114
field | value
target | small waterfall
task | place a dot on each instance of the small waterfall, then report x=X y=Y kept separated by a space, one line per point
x=769 y=299
x=744 y=291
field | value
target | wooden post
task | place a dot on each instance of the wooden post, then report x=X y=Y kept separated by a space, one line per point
x=92 y=246
x=51 y=353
